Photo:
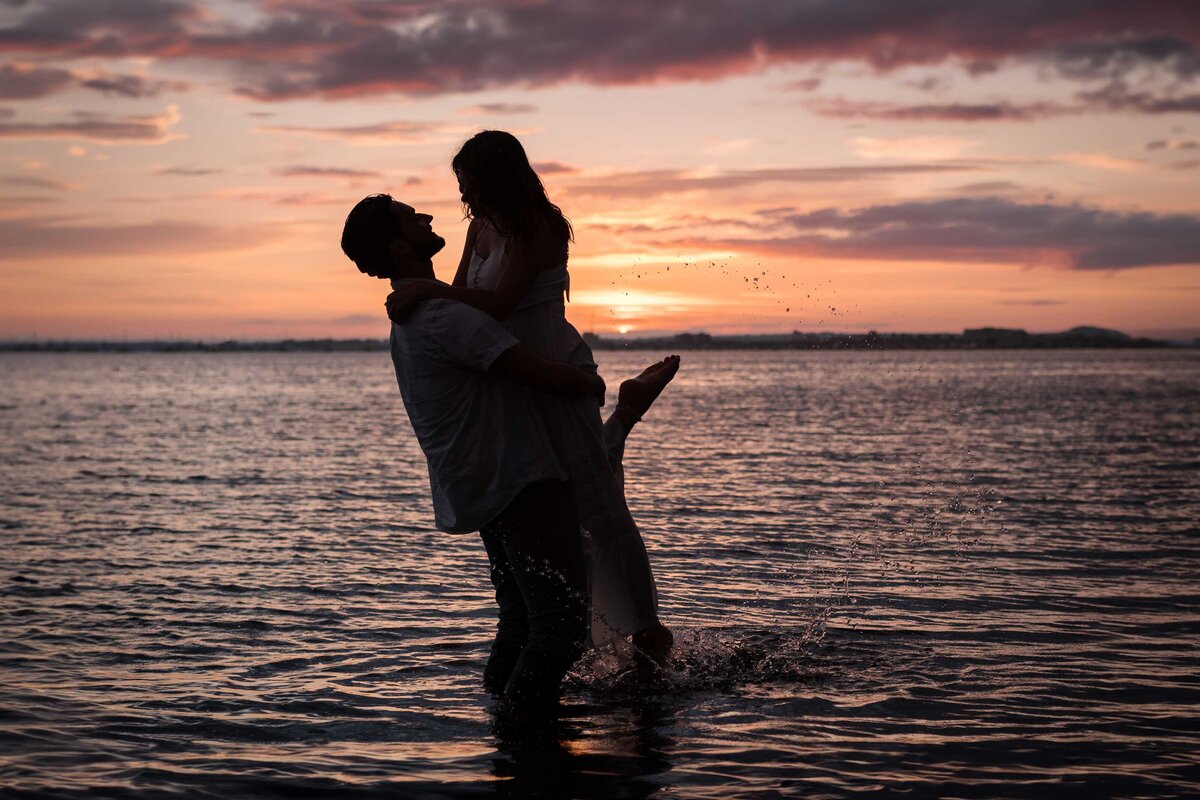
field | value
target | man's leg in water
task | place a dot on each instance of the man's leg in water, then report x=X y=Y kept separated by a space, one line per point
x=512 y=629
x=540 y=537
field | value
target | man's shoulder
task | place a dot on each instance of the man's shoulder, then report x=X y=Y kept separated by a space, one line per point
x=451 y=318
x=443 y=307
x=454 y=331
x=429 y=313
x=426 y=319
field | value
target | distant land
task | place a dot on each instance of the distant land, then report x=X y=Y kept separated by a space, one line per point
x=970 y=339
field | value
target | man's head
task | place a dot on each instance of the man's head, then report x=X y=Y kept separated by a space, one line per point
x=388 y=239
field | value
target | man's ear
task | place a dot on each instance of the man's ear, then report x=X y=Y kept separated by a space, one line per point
x=399 y=250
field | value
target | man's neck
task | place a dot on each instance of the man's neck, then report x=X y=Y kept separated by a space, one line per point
x=422 y=271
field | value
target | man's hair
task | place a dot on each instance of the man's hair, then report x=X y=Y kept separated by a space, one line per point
x=368 y=231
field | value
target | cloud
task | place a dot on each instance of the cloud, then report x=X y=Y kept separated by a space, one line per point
x=22 y=81
x=34 y=182
x=1173 y=144
x=344 y=48
x=917 y=148
x=134 y=86
x=291 y=199
x=984 y=230
x=929 y=83
x=103 y=128
x=1115 y=58
x=356 y=319
x=672 y=181
x=998 y=111
x=347 y=320
x=51 y=237
x=18 y=202
x=553 y=168
x=376 y=134
x=29 y=81
x=501 y=108
x=188 y=172
x=675 y=223
x=1116 y=97
x=990 y=188
x=1101 y=161
x=300 y=171
x=636 y=302
x=1034 y=302
x=804 y=85
x=97 y=28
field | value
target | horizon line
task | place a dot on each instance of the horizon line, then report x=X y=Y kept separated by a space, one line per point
x=34 y=338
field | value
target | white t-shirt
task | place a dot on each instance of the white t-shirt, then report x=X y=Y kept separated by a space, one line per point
x=481 y=434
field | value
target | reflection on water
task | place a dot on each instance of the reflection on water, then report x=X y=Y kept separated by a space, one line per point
x=623 y=752
x=967 y=574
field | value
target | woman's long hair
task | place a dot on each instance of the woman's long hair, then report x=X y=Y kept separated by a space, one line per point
x=509 y=194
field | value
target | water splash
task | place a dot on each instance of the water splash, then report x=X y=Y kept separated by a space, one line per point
x=705 y=658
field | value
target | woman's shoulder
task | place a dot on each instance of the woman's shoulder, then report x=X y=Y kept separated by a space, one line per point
x=483 y=237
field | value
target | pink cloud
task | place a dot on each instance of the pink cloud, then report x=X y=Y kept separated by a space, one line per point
x=345 y=48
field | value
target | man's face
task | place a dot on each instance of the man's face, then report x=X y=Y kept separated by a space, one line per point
x=415 y=243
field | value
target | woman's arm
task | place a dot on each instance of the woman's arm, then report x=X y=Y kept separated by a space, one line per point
x=522 y=262
x=557 y=377
x=464 y=263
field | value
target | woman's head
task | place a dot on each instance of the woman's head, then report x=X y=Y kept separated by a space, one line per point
x=499 y=185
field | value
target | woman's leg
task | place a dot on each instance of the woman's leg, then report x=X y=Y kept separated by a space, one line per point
x=634 y=399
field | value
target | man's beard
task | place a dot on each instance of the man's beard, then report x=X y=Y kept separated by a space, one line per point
x=435 y=246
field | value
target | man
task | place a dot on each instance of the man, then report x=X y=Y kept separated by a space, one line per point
x=464 y=380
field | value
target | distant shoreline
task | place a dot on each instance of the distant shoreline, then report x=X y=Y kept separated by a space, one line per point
x=971 y=339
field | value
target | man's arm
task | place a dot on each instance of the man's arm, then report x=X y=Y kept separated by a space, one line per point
x=523 y=364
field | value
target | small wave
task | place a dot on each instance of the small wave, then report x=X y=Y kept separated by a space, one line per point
x=29 y=587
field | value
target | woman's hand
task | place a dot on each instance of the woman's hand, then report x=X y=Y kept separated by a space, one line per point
x=583 y=382
x=409 y=292
x=596 y=387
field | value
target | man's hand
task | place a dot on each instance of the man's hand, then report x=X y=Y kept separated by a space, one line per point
x=404 y=299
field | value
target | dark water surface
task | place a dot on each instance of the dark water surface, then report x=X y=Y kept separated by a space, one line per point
x=912 y=574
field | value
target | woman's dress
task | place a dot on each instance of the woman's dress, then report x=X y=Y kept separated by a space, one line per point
x=624 y=599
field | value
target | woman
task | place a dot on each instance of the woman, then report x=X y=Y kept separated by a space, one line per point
x=514 y=267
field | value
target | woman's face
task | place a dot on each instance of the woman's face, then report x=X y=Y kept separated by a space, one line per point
x=467 y=188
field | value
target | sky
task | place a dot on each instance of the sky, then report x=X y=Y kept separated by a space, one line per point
x=182 y=169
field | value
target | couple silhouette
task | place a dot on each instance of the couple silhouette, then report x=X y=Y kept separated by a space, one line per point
x=504 y=397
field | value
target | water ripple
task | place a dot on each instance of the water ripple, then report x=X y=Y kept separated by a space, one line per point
x=918 y=574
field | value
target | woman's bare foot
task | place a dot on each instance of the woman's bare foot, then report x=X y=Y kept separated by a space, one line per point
x=652 y=645
x=636 y=395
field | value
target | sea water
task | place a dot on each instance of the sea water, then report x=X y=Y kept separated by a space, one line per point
x=966 y=574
